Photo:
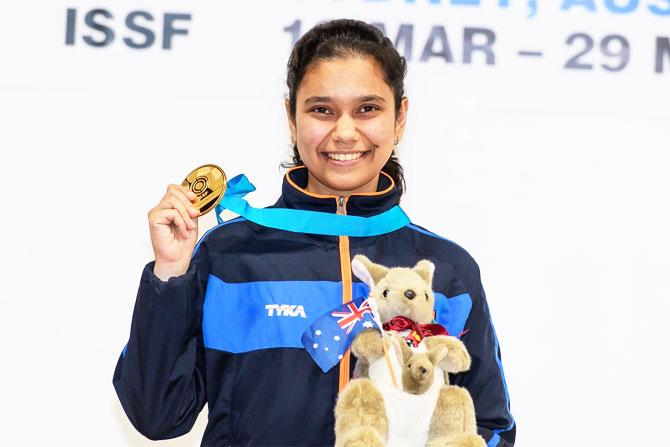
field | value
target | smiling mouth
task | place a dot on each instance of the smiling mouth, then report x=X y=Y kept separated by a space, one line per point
x=348 y=156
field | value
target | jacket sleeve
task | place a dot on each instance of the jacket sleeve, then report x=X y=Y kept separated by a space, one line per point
x=486 y=380
x=160 y=375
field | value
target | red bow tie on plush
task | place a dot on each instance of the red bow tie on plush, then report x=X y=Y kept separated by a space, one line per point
x=417 y=332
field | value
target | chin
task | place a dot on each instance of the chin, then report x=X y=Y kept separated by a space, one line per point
x=346 y=186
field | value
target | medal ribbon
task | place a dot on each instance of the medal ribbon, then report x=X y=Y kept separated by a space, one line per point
x=304 y=221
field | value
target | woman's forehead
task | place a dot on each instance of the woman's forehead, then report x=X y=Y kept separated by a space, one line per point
x=350 y=79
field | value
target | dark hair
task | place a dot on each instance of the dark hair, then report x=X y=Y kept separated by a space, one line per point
x=339 y=39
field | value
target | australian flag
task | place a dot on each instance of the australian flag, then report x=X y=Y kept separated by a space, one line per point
x=328 y=338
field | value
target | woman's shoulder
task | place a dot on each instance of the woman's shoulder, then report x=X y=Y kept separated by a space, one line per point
x=457 y=268
x=233 y=231
x=439 y=247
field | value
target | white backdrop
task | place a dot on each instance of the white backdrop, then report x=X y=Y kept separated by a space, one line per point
x=554 y=178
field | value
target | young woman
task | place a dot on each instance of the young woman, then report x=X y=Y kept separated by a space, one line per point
x=204 y=329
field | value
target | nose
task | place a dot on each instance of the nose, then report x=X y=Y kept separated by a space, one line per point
x=423 y=371
x=409 y=294
x=345 y=130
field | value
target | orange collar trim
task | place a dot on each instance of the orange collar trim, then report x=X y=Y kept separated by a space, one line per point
x=329 y=196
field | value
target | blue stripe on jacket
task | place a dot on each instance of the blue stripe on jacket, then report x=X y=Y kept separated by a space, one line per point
x=243 y=317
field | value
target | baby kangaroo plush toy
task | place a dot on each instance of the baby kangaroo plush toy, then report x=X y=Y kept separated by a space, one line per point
x=418 y=368
x=400 y=395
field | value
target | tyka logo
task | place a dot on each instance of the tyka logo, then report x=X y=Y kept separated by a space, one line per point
x=285 y=310
x=100 y=24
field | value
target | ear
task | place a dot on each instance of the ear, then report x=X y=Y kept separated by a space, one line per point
x=406 y=351
x=436 y=354
x=401 y=118
x=291 y=122
x=425 y=269
x=367 y=271
x=396 y=346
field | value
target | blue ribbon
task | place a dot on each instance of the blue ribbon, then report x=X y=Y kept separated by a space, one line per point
x=303 y=221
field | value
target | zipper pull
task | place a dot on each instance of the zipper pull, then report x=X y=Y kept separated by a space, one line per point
x=340 y=205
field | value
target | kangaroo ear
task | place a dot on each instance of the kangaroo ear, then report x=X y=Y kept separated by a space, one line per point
x=425 y=269
x=406 y=351
x=367 y=271
x=399 y=347
x=437 y=353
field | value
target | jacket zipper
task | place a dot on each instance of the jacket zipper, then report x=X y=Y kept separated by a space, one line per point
x=345 y=266
x=341 y=209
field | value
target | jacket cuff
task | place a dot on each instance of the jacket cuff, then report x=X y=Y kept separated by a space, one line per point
x=158 y=285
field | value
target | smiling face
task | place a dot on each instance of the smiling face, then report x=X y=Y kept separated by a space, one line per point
x=345 y=125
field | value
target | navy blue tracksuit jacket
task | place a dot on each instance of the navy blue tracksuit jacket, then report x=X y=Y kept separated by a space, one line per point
x=227 y=332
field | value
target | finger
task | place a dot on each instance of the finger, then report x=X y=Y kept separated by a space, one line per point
x=179 y=201
x=189 y=195
x=182 y=193
x=178 y=204
x=170 y=216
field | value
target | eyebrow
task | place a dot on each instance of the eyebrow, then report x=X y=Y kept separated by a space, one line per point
x=365 y=98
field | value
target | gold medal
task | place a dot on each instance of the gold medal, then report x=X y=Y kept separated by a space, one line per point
x=208 y=182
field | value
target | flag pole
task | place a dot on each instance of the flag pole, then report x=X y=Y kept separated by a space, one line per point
x=388 y=361
x=387 y=357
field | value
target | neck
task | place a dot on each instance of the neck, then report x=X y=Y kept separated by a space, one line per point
x=316 y=187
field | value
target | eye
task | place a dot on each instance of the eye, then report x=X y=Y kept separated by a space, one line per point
x=409 y=365
x=426 y=297
x=368 y=108
x=386 y=293
x=321 y=110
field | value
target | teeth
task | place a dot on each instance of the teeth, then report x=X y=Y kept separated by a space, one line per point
x=344 y=157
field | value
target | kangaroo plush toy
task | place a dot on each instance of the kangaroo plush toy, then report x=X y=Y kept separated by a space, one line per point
x=392 y=401
x=418 y=368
